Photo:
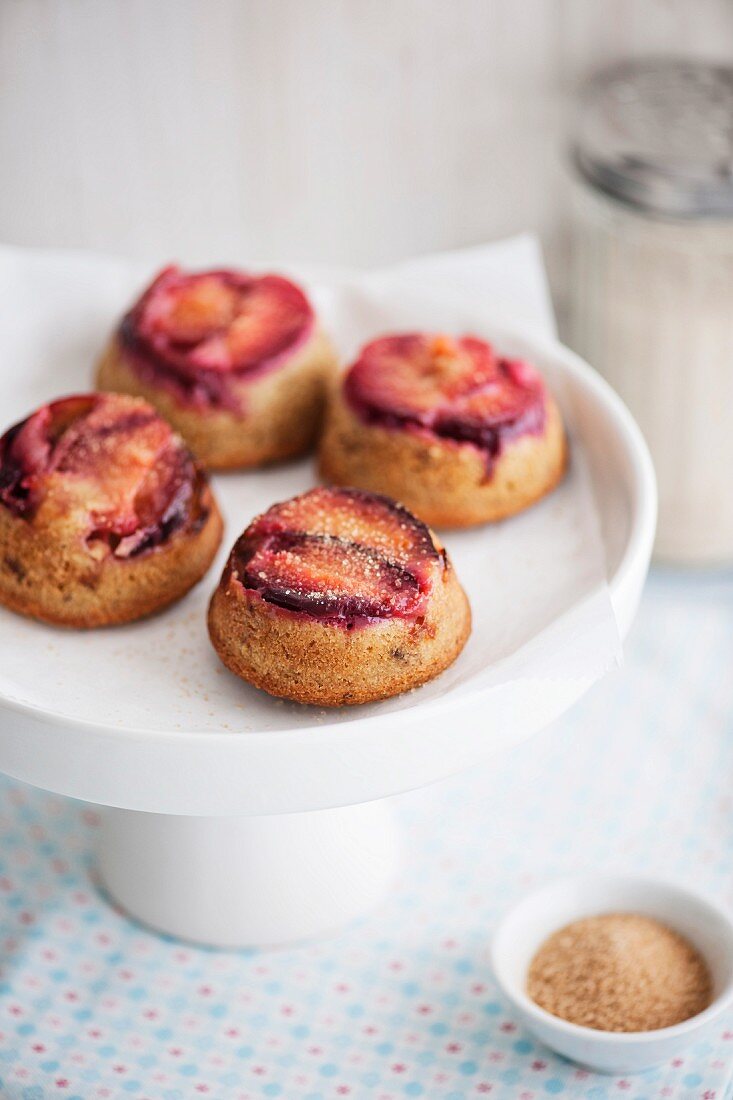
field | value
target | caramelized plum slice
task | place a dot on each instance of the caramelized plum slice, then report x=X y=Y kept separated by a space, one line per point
x=456 y=389
x=198 y=330
x=330 y=577
x=161 y=505
x=338 y=554
x=106 y=465
x=356 y=516
x=188 y=312
x=26 y=451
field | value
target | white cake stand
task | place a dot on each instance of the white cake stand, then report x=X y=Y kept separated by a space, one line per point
x=272 y=826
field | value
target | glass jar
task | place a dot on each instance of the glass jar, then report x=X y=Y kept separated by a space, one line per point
x=651 y=302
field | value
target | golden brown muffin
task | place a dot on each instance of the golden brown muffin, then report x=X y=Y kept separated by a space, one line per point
x=459 y=434
x=336 y=597
x=105 y=516
x=235 y=362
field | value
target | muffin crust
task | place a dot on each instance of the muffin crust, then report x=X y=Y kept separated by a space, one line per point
x=237 y=363
x=338 y=597
x=105 y=517
x=462 y=436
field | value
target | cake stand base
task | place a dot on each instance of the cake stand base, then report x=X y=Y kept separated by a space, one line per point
x=248 y=881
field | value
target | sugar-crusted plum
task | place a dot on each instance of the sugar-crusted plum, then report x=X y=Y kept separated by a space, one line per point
x=338 y=596
x=105 y=516
x=459 y=433
x=236 y=362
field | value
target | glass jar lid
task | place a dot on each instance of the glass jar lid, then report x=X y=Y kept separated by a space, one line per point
x=658 y=134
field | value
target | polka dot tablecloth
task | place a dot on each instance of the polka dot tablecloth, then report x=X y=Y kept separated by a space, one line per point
x=638 y=777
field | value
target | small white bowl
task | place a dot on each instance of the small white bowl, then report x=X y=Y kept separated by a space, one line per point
x=528 y=924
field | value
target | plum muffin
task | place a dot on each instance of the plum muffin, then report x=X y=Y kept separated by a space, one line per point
x=237 y=363
x=338 y=596
x=105 y=516
x=458 y=433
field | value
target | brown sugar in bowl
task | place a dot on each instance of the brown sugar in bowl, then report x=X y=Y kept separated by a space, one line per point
x=539 y=916
x=619 y=972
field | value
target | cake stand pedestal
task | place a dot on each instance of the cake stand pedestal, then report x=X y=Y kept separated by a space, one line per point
x=257 y=881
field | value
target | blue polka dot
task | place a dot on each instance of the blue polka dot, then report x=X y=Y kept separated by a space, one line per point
x=132 y=1086
x=329 y=1070
x=245 y=1052
x=692 y=1079
x=300 y=1031
x=439 y=1028
x=463 y=966
x=272 y=1089
x=355 y=1011
x=468 y=1068
x=410 y=989
x=217 y=1011
x=522 y=1046
x=493 y=1008
x=25 y=1029
x=188 y=1070
x=413 y=1088
x=384 y=1048
x=554 y=1085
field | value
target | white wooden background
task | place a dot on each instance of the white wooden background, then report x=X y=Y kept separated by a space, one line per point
x=346 y=131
